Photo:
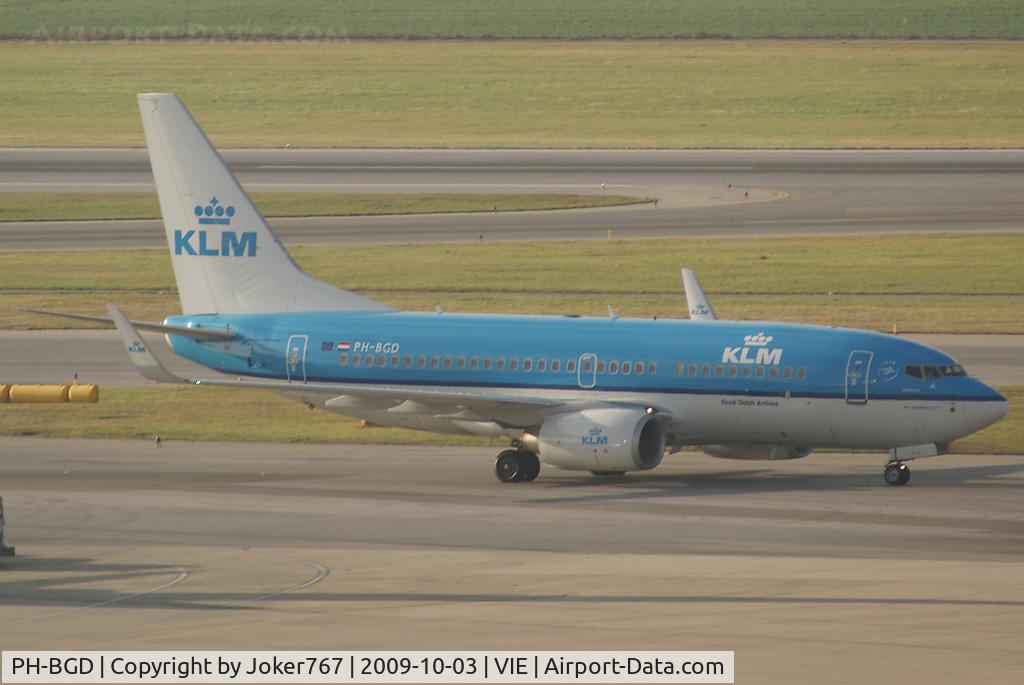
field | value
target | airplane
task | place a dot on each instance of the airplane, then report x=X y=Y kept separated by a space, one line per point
x=604 y=395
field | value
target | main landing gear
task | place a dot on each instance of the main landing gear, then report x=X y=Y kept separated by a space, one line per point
x=513 y=466
x=897 y=473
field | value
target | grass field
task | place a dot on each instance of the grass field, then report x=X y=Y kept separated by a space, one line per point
x=577 y=19
x=926 y=283
x=83 y=206
x=776 y=94
x=195 y=413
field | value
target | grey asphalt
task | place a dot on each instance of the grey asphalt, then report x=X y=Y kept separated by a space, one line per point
x=96 y=355
x=825 y=192
x=812 y=571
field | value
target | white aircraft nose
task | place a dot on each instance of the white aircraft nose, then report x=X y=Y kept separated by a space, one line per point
x=987 y=412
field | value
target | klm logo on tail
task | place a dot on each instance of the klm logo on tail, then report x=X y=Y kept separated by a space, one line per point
x=230 y=243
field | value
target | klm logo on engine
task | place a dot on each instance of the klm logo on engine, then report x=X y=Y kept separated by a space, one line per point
x=203 y=243
x=594 y=437
x=755 y=350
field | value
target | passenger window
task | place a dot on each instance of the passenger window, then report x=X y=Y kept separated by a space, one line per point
x=474 y=363
x=394 y=361
x=500 y=363
x=760 y=372
x=343 y=360
x=421 y=361
x=732 y=372
x=706 y=370
x=487 y=363
x=527 y=364
x=600 y=367
x=356 y=360
x=613 y=368
x=407 y=361
x=542 y=365
x=382 y=361
x=719 y=371
x=801 y=373
x=638 y=368
x=746 y=372
x=693 y=369
x=368 y=360
x=513 y=364
x=627 y=368
x=555 y=364
x=773 y=373
x=570 y=366
x=787 y=373
x=460 y=362
x=652 y=368
x=679 y=369
x=435 y=362
x=447 y=362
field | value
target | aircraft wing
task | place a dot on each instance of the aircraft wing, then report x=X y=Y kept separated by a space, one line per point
x=510 y=410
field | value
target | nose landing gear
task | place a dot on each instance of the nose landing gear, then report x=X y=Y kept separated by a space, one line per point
x=897 y=473
x=513 y=466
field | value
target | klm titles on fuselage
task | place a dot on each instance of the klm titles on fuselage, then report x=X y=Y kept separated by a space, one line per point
x=229 y=244
x=755 y=350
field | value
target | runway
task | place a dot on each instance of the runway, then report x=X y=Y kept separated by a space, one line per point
x=97 y=357
x=701 y=193
x=812 y=571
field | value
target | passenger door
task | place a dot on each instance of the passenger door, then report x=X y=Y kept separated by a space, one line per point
x=858 y=367
x=295 y=358
x=586 y=372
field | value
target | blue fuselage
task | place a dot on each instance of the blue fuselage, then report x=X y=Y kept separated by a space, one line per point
x=714 y=376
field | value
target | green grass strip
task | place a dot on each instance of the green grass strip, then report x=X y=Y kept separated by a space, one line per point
x=954 y=283
x=421 y=94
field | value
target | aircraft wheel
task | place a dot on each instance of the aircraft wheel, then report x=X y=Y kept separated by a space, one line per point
x=530 y=465
x=897 y=474
x=508 y=467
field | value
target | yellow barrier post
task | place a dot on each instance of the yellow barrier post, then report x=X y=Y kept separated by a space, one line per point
x=85 y=392
x=39 y=394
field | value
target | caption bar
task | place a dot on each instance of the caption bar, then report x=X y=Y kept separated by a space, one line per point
x=367 y=667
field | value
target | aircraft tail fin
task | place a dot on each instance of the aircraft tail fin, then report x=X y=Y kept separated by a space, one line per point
x=696 y=300
x=226 y=258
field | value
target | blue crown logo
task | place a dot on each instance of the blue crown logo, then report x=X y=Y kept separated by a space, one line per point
x=214 y=213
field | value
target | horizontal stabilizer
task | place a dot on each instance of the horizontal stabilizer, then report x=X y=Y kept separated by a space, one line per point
x=198 y=333
x=144 y=361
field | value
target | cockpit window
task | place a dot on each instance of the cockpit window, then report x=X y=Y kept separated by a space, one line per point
x=930 y=373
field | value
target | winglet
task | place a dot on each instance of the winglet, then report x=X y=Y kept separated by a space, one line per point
x=696 y=300
x=143 y=360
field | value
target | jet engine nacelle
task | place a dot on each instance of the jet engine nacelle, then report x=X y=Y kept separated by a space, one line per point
x=604 y=439
x=752 y=451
